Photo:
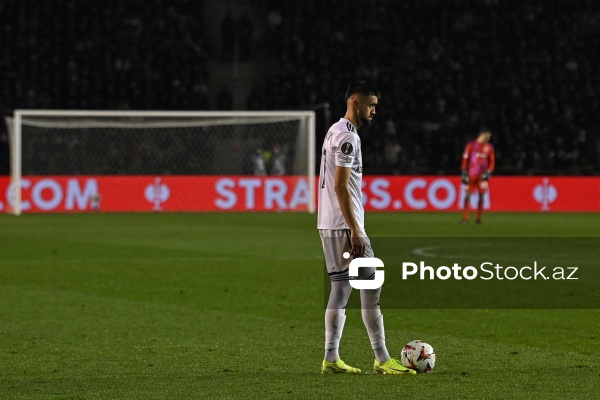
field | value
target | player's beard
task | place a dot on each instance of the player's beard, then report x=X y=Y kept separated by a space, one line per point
x=366 y=122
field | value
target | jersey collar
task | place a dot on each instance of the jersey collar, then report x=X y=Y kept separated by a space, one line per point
x=349 y=125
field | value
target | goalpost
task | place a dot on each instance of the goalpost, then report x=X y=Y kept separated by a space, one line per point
x=274 y=148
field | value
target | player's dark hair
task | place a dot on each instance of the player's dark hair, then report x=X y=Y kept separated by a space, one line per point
x=483 y=129
x=362 y=87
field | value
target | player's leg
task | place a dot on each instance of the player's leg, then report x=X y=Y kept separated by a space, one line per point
x=479 y=208
x=373 y=320
x=370 y=310
x=335 y=243
x=466 y=205
x=335 y=318
x=483 y=187
x=472 y=187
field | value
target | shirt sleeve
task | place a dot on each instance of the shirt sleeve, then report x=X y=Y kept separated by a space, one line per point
x=492 y=160
x=465 y=157
x=346 y=149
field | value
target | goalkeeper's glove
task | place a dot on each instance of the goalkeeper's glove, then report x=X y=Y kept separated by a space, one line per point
x=465 y=177
x=487 y=175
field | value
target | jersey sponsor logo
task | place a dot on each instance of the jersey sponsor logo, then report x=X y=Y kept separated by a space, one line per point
x=350 y=127
x=347 y=148
x=359 y=169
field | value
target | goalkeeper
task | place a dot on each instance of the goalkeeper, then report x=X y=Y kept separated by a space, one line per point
x=478 y=162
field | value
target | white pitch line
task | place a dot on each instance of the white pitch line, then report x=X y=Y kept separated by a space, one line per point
x=424 y=251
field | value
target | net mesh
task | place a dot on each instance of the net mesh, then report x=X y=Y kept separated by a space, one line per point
x=165 y=145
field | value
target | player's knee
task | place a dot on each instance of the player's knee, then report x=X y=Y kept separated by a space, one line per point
x=370 y=295
x=341 y=288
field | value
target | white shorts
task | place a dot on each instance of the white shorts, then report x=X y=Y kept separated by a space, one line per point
x=335 y=244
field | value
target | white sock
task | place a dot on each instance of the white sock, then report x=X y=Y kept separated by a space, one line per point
x=377 y=336
x=373 y=320
x=334 y=326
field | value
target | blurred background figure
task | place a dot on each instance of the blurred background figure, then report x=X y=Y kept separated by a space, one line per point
x=258 y=162
x=278 y=160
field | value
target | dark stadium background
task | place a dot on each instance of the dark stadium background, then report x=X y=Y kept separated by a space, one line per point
x=527 y=69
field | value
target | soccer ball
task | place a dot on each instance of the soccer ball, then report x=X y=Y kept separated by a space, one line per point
x=418 y=355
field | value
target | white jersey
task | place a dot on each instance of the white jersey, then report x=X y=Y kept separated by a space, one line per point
x=341 y=147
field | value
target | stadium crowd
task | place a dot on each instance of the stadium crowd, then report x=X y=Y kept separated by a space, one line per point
x=529 y=70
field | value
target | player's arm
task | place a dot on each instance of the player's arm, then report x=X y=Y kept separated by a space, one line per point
x=491 y=165
x=464 y=165
x=342 y=191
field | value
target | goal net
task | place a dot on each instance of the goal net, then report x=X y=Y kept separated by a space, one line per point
x=171 y=161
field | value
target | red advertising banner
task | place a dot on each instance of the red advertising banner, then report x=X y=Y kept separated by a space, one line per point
x=250 y=193
x=161 y=193
x=434 y=193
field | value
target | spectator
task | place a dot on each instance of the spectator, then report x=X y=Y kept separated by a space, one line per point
x=529 y=69
x=278 y=161
x=259 y=162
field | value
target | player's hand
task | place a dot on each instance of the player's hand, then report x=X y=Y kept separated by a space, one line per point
x=487 y=175
x=358 y=245
x=465 y=177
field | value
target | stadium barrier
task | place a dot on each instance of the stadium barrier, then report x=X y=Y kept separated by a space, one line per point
x=290 y=193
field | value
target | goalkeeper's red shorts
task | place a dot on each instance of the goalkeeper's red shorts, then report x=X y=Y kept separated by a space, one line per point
x=477 y=184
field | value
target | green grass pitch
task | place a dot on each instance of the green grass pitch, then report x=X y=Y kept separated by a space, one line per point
x=227 y=306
